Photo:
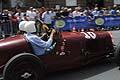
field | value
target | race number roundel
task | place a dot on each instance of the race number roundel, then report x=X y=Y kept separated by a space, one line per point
x=60 y=23
x=99 y=21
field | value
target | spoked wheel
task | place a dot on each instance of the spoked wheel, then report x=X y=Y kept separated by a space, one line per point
x=24 y=67
x=25 y=71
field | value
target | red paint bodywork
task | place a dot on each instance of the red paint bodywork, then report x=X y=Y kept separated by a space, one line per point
x=77 y=50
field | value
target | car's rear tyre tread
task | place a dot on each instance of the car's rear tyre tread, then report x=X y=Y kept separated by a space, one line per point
x=117 y=54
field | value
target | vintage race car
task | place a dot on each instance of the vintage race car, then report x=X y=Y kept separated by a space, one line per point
x=72 y=50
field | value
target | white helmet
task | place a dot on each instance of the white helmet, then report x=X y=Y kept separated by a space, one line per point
x=21 y=25
x=30 y=27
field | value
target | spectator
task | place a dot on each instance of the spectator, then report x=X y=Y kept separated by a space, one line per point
x=64 y=12
x=47 y=17
x=19 y=14
x=41 y=11
x=53 y=13
x=70 y=12
x=76 y=12
x=5 y=19
x=15 y=22
x=105 y=11
x=113 y=10
x=16 y=18
x=95 y=12
x=31 y=14
x=58 y=15
x=87 y=11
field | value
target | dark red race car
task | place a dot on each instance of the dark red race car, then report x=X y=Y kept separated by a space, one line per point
x=72 y=50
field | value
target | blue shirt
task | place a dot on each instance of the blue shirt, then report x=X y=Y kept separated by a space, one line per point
x=113 y=12
x=38 y=44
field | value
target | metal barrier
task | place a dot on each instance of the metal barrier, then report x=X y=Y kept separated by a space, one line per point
x=8 y=28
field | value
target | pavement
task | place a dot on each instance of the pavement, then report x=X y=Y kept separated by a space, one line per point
x=116 y=36
x=101 y=71
x=113 y=74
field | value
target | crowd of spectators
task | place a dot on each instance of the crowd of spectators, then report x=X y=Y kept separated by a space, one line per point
x=9 y=19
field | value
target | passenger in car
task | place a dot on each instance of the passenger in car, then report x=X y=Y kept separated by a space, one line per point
x=41 y=27
x=39 y=46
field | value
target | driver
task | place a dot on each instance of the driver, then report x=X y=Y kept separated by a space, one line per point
x=39 y=46
x=21 y=27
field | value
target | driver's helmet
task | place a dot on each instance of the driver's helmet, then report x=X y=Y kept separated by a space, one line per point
x=30 y=27
x=21 y=25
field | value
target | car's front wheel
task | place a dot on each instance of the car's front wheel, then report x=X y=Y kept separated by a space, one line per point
x=24 y=66
x=117 y=55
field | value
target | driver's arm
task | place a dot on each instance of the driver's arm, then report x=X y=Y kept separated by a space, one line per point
x=41 y=43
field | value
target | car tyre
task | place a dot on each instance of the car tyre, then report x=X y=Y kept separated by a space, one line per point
x=117 y=55
x=24 y=66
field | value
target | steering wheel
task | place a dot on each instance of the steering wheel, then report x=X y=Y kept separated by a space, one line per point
x=52 y=47
x=44 y=31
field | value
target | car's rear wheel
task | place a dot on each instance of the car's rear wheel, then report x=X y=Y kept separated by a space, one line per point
x=24 y=66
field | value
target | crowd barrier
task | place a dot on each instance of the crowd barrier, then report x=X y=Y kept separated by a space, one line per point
x=8 y=28
x=85 y=22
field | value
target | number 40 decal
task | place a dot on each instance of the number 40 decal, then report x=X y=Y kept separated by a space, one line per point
x=89 y=35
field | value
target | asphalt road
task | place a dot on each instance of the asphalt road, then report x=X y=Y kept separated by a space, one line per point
x=116 y=36
x=99 y=71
